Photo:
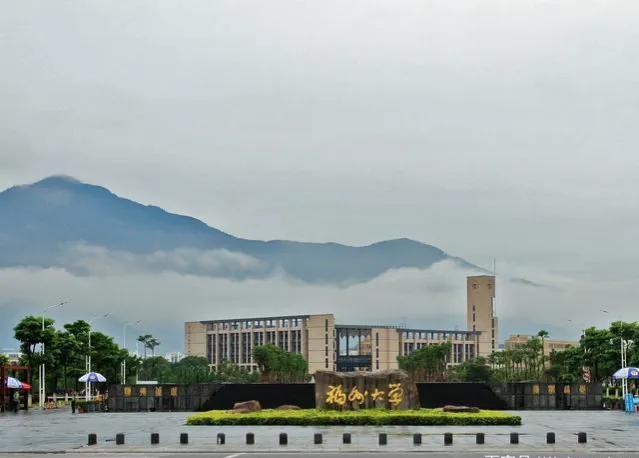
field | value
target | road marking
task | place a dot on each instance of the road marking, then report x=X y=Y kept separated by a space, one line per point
x=233 y=456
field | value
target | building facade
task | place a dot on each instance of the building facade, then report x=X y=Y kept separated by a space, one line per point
x=323 y=344
x=550 y=345
x=233 y=340
x=327 y=345
x=481 y=314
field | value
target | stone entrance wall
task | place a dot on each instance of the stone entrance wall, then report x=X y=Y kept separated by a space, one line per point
x=365 y=390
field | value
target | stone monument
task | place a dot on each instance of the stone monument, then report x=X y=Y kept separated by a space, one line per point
x=365 y=390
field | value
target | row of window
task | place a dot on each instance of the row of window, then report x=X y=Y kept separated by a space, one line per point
x=225 y=347
x=432 y=335
x=249 y=324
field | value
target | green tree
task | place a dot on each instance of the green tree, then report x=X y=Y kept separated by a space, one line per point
x=4 y=360
x=144 y=340
x=151 y=343
x=475 y=370
x=68 y=351
x=277 y=365
x=566 y=365
x=427 y=364
x=156 y=368
x=30 y=335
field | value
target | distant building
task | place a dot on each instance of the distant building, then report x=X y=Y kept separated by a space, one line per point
x=174 y=357
x=13 y=356
x=550 y=345
x=481 y=314
x=327 y=345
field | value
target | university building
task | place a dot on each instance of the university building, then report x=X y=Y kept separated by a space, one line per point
x=327 y=345
x=550 y=345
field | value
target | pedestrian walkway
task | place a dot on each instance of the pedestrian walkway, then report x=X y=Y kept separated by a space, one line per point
x=57 y=430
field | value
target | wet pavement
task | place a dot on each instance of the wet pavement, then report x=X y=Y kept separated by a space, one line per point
x=61 y=431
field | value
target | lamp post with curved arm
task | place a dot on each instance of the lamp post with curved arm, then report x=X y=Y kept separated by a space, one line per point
x=42 y=391
x=128 y=323
x=87 y=359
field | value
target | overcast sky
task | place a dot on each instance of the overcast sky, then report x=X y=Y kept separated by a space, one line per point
x=487 y=128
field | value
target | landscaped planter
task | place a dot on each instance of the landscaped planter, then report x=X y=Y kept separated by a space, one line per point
x=377 y=417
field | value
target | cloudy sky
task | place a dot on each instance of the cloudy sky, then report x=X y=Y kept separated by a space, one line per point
x=487 y=128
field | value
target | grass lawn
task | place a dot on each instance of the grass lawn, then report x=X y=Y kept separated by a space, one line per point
x=428 y=417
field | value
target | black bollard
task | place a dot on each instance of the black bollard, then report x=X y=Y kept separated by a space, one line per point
x=514 y=438
x=283 y=439
x=417 y=439
x=346 y=438
x=448 y=438
x=480 y=438
x=184 y=438
x=550 y=438
x=317 y=438
x=221 y=439
x=382 y=439
x=155 y=438
x=250 y=438
x=119 y=439
x=93 y=439
x=582 y=438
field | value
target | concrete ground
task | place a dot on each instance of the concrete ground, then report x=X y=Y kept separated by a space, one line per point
x=55 y=431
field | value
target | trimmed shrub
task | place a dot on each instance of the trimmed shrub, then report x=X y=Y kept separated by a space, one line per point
x=376 y=417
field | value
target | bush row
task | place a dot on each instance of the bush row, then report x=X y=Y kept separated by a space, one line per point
x=375 y=417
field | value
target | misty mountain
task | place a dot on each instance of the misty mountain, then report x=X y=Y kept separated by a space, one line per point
x=62 y=222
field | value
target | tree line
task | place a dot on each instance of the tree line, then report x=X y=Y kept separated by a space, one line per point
x=66 y=351
x=596 y=357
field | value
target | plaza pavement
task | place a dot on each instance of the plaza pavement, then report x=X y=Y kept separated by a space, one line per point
x=610 y=433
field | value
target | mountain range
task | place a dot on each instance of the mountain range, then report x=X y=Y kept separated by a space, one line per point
x=63 y=222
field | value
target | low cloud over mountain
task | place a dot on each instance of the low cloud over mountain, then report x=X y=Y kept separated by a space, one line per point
x=61 y=222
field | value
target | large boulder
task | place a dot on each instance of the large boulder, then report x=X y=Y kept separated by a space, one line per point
x=251 y=406
x=391 y=389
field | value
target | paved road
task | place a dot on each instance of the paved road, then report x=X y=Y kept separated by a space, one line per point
x=60 y=431
x=504 y=454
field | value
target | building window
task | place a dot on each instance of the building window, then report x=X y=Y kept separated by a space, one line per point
x=377 y=364
x=326 y=363
x=377 y=352
x=283 y=340
x=325 y=339
x=325 y=351
x=377 y=339
x=326 y=325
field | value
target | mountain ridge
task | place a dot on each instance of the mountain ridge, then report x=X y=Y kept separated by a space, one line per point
x=39 y=221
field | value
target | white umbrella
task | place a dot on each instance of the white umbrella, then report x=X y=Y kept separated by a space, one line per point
x=13 y=383
x=627 y=372
x=92 y=377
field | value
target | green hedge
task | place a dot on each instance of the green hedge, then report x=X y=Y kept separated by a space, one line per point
x=314 y=417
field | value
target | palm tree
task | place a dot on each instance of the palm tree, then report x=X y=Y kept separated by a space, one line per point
x=144 y=340
x=151 y=343
x=542 y=334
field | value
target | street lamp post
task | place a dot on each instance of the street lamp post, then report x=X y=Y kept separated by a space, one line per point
x=128 y=323
x=42 y=392
x=87 y=359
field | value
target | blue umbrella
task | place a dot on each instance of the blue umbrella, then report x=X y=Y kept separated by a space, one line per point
x=92 y=377
x=627 y=372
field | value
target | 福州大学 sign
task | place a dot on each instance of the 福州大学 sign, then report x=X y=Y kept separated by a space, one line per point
x=365 y=390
